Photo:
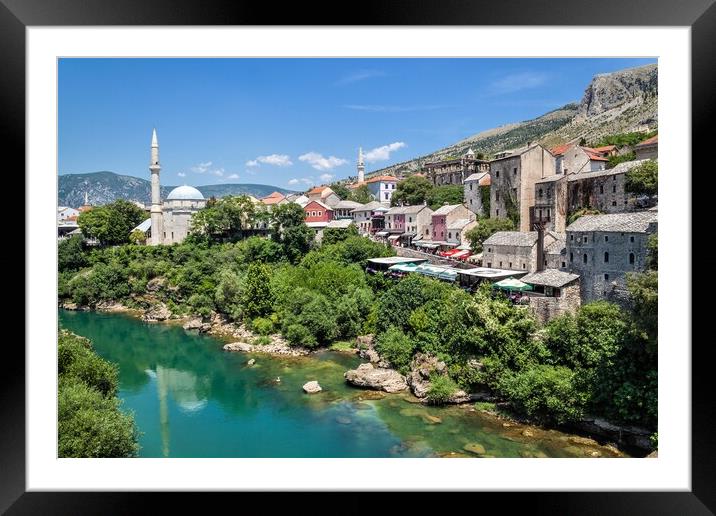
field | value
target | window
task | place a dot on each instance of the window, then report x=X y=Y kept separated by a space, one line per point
x=571 y=257
x=601 y=188
x=500 y=264
x=606 y=277
x=571 y=238
x=606 y=257
x=523 y=266
x=510 y=266
x=497 y=173
x=614 y=203
x=386 y=195
x=489 y=264
x=606 y=238
x=471 y=187
x=614 y=189
x=470 y=201
x=564 y=265
x=540 y=193
x=631 y=238
x=631 y=259
x=514 y=171
x=497 y=196
x=497 y=213
x=489 y=249
x=584 y=258
x=450 y=235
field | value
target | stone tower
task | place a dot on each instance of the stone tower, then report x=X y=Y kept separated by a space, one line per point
x=361 y=166
x=156 y=211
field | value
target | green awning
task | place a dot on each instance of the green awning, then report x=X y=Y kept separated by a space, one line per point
x=403 y=267
x=512 y=284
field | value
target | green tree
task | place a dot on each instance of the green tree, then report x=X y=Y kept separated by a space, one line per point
x=652 y=248
x=441 y=389
x=137 y=237
x=643 y=179
x=361 y=194
x=227 y=219
x=584 y=211
x=447 y=194
x=486 y=228
x=290 y=231
x=257 y=297
x=71 y=254
x=547 y=393
x=412 y=191
x=341 y=190
x=112 y=223
x=644 y=297
x=335 y=235
x=396 y=347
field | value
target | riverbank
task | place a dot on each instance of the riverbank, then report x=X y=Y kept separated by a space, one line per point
x=376 y=373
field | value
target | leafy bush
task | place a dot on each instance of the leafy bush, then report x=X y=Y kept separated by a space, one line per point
x=71 y=254
x=546 y=393
x=92 y=425
x=257 y=299
x=262 y=326
x=77 y=360
x=396 y=347
x=299 y=335
x=485 y=229
x=441 y=389
x=643 y=179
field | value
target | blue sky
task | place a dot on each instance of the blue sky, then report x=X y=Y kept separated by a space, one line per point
x=295 y=122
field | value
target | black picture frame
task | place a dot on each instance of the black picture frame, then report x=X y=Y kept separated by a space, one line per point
x=699 y=15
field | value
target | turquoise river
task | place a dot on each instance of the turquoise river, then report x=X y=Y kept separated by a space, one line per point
x=190 y=398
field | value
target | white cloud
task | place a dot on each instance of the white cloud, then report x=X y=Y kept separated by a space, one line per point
x=298 y=180
x=319 y=162
x=233 y=176
x=517 y=82
x=201 y=167
x=382 y=153
x=293 y=181
x=219 y=172
x=278 y=160
x=359 y=75
x=181 y=174
x=326 y=177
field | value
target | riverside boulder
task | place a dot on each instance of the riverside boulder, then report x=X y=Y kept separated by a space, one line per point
x=377 y=378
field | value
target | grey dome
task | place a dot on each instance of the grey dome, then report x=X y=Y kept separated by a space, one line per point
x=185 y=193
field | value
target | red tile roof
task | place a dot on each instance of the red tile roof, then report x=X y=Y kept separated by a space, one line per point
x=605 y=148
x=273 y=198
x=382 y=178
x=594 y=155
x=560 y=149
x=316 y=190
x=650 y=141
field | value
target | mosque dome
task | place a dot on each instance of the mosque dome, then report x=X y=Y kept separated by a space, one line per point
x=185 y=192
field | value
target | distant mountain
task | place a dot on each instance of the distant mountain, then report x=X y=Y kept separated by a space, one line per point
x=622 y=101
x=104 y=187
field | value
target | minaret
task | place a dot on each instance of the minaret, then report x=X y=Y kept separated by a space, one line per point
x=361 y=166
x=86 y=199
x=156 y=212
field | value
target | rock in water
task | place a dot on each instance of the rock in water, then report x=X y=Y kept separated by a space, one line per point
x=193 y=324
x=366 y=375
x=251 y=362
x=312 y=387
x=158 y=312
x=475 y=448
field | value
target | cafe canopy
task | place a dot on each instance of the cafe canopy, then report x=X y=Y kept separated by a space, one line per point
x=512 y=284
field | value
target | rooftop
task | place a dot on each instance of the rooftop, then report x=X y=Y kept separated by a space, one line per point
x=372 y=205
x=619 y=169
x=444 y=210
x=488 y=272
x=635 y=222
x=392 y=260
x=346 y=205
x=340 y=223
x=458 y=224
x=654 y=140
x=482 y=177
x=518 y=238
x=411 y=210
x=396 y=210
x=550 y=278
x=382 y=178
x=319 y=203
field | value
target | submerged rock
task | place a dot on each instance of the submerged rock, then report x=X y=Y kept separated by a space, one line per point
x=158 y=312
x=366 y=375
x=193 y=324
x=475 y=448
x=343 y=420
x=312 y=387
x=251 y=362
x=239 y=346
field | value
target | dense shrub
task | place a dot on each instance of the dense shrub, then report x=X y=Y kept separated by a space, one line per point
x=546 y=393
x=262 y=326
x=441 y=389
x=396 y=347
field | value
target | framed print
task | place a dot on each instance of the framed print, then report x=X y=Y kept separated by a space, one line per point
x=260 y=262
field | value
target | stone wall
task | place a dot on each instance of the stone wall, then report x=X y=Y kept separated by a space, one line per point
x=511 y=257
x=547 y=308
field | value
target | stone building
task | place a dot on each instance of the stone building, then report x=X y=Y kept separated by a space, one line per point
x=395 y=220
x=446 y=216
x=648 y=149
x=571 y=158
x=369 y=217
x=318 y=213
x=555 y=293
x=344 y=209
x=514 y=250
x=602 y=249
x=418 y=220
x=558 y=195
x=555 y=253
x=455 y=171
x=473 y=185
x=324 y=194
x=513 y=180
x=457 y=229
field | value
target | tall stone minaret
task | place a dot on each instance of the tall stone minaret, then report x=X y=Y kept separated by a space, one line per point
x=156 y=211
x=361 y=165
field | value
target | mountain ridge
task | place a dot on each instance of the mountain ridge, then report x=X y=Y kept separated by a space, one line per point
x=104 y=186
